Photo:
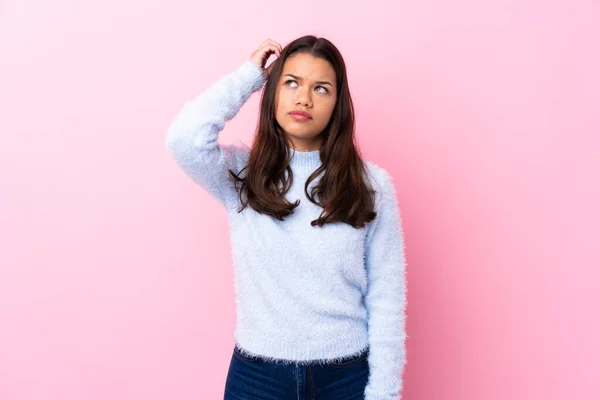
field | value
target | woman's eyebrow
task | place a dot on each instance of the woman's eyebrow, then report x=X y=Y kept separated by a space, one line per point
x=318 y=82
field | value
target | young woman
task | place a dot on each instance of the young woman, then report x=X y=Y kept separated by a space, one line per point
x=316 y=234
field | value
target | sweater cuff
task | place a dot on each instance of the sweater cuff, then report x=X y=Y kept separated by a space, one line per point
x=252 y=74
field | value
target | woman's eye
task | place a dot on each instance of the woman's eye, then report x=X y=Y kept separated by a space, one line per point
x=322 y=87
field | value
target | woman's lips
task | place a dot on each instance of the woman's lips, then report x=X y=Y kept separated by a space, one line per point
x=299 y=117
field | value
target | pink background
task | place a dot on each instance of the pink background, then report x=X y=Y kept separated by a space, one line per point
x=115 y=269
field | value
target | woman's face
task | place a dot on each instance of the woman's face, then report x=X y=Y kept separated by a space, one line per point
x=307 y=84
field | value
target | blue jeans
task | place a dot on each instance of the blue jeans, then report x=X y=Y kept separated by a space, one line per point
x=253 y=378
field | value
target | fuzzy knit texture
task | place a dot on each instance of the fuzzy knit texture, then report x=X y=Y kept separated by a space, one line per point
x=303 y=293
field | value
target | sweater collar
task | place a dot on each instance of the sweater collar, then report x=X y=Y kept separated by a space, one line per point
x=305 y=161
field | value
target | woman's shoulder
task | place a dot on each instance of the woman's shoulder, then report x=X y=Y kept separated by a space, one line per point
x=378 y=176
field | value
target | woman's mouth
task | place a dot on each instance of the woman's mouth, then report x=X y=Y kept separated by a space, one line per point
x=300 y=115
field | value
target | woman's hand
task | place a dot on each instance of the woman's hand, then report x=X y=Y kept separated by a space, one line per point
x=262 y=54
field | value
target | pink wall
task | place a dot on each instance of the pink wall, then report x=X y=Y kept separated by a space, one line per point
x=115 y=270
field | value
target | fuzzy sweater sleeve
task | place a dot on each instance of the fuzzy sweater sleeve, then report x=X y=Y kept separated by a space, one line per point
x=192 y=137
x=385 y=299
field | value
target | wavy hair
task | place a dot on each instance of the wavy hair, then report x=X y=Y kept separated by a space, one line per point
x=342 y=192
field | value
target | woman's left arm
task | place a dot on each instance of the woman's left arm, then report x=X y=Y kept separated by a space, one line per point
x=385 y=299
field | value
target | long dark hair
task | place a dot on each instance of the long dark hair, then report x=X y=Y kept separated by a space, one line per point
x=342 y=192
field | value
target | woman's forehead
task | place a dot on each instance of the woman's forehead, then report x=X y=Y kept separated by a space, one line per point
x=306 y=66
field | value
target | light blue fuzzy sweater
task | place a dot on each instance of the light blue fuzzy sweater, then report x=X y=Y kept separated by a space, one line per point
x=302 y=292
